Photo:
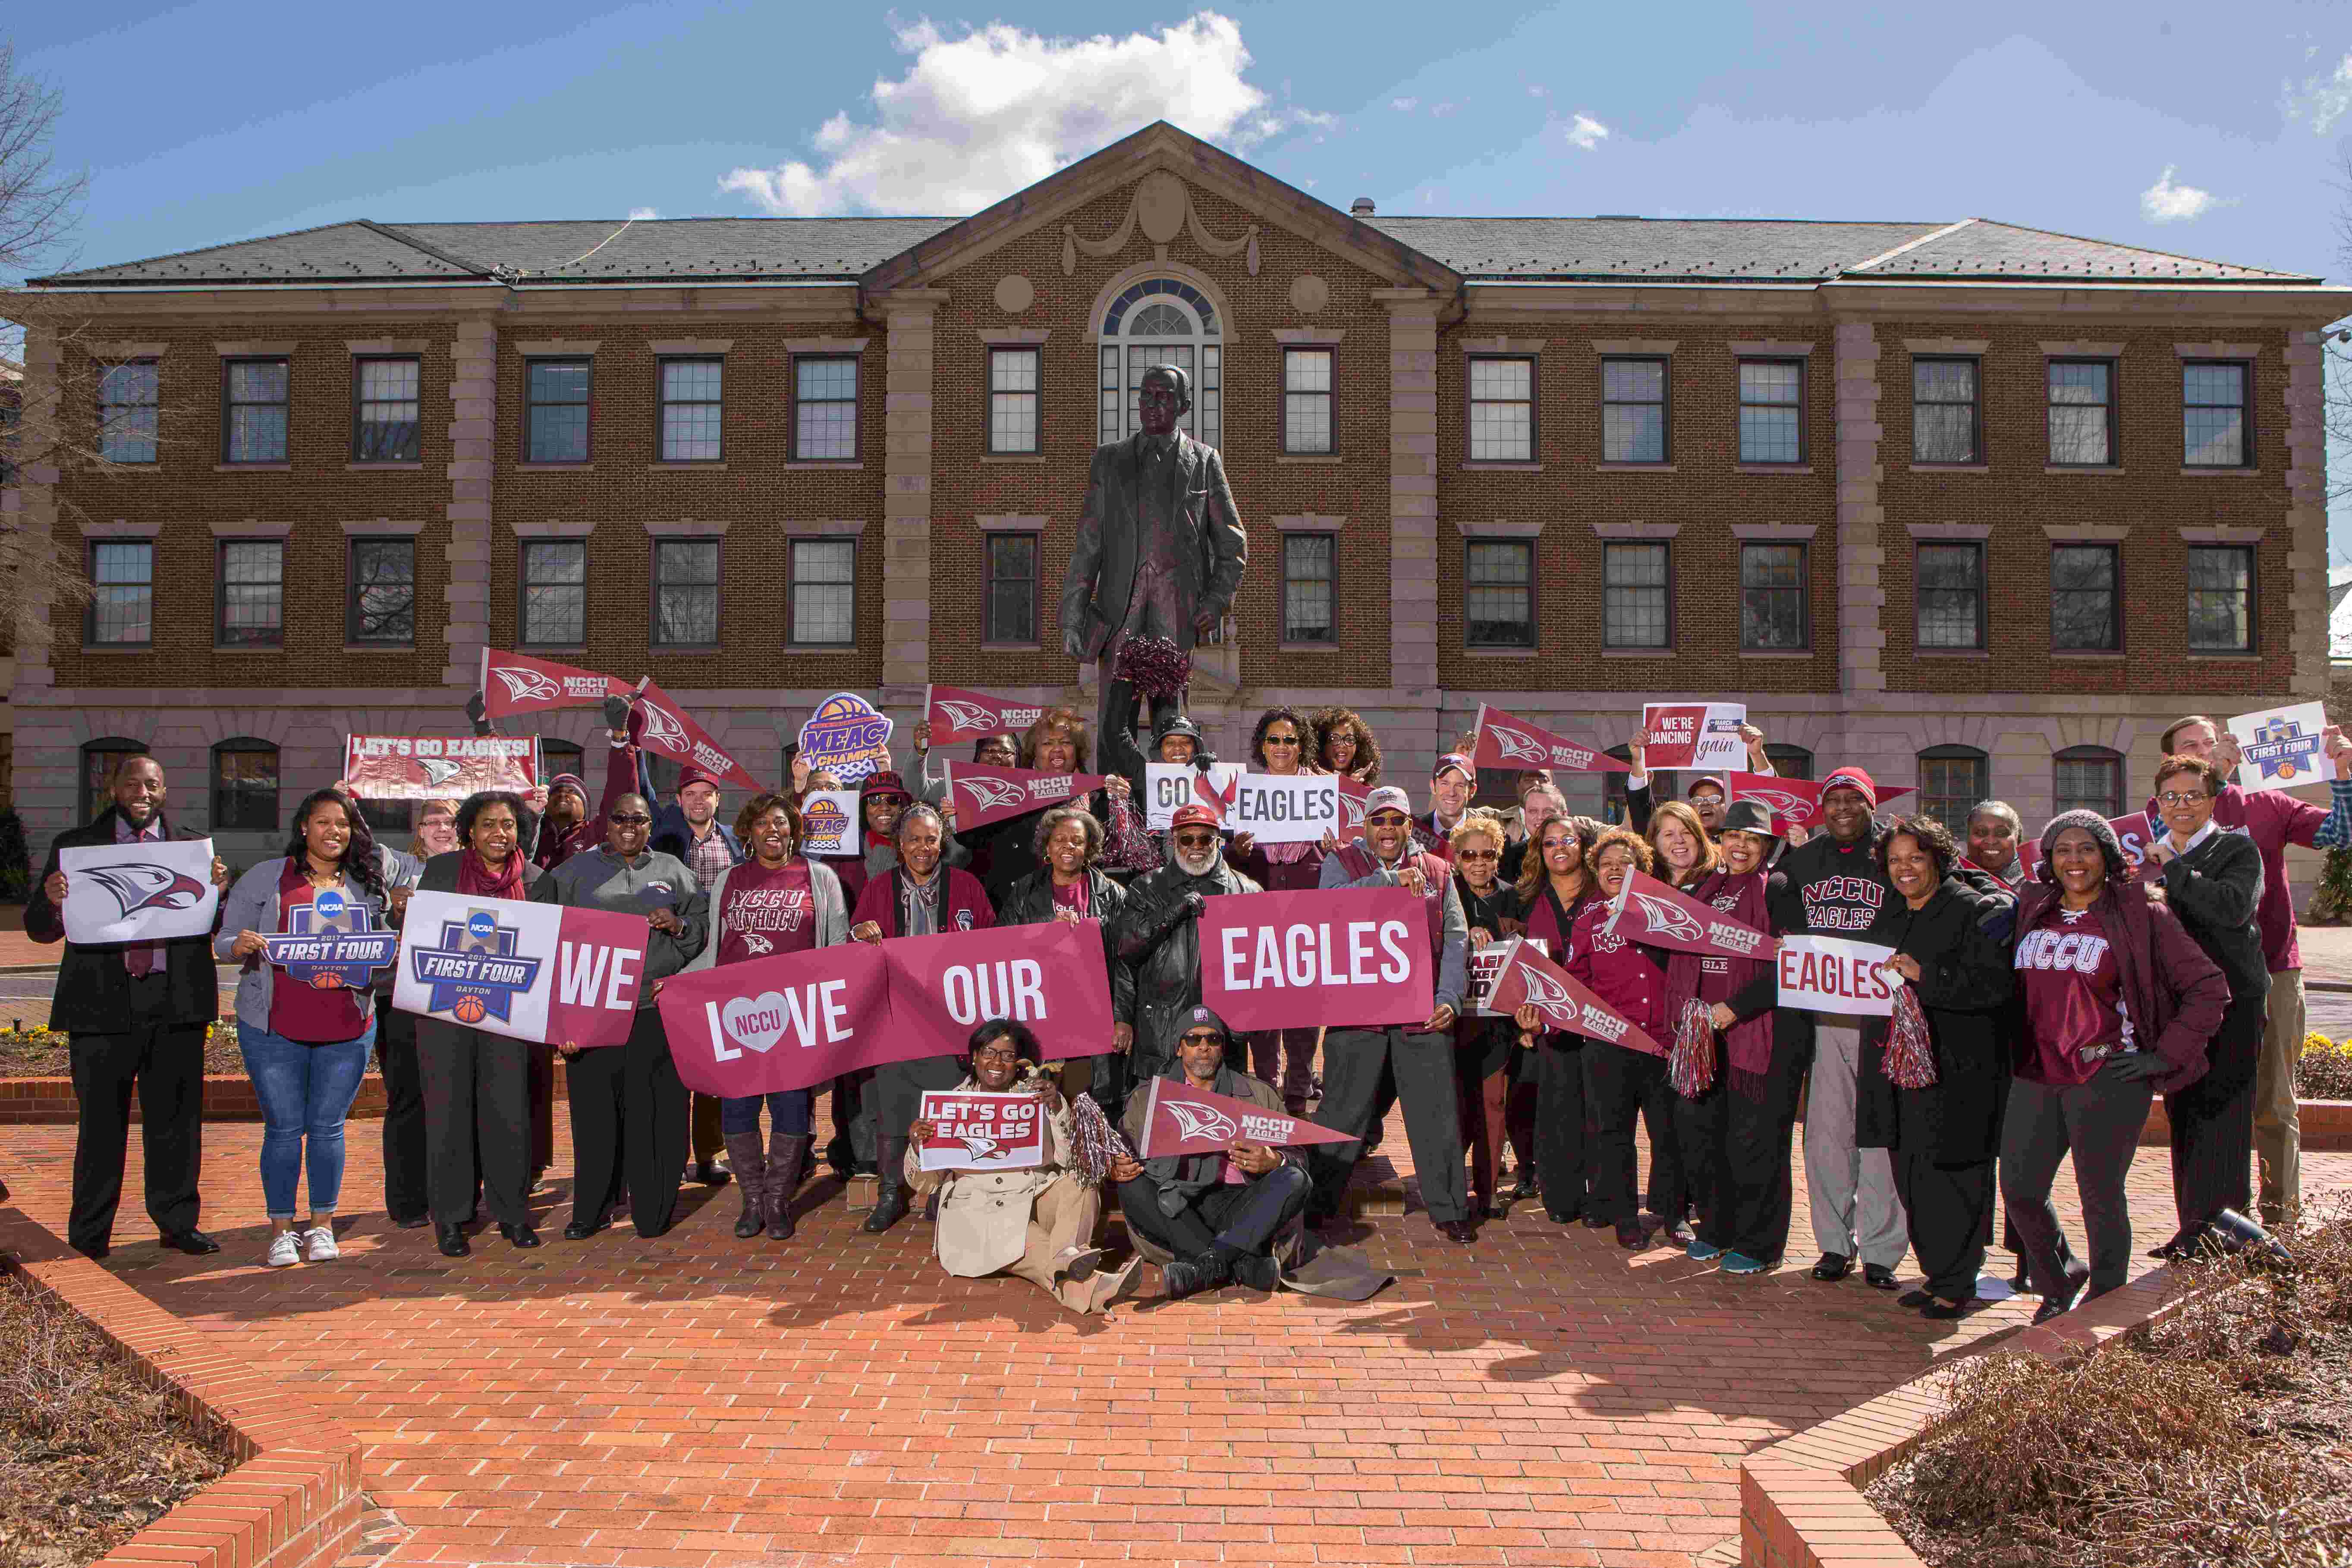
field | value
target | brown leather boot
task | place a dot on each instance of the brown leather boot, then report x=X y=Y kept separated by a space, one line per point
x=750 y=1170
x=787 y=1158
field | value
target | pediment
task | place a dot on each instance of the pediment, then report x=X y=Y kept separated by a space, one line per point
x=1160 y=166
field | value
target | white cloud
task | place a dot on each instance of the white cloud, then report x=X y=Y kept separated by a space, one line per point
x=639 y=214
x=2322 y=100
x=1586 y=132
x=979 y=116
x=1535 y=92
x=1442 y=110
x=1405 y=105
x=2165 y=202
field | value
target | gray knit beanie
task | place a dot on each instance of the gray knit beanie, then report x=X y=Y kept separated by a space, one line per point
x=2111 y=849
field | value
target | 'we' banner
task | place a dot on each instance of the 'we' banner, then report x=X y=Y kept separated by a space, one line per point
x=1346 y=956
x=531 y=971
x=138 y=892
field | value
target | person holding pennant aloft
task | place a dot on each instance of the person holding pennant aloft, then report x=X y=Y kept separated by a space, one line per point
x=1555 y=884
x=135 y=1015
x=629 y=1109
x=1935 y=1075
x=305 y=1040
x=776 y=901
x=1621 y=1082
x=1356 y=1057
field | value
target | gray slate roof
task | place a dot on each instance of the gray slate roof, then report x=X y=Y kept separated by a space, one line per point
x=1491 y=248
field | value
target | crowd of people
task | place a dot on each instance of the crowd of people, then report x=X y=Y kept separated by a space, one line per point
x=2048 y=990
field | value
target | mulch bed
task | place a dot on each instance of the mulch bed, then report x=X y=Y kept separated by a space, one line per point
x=2221 y=1434
x=90 y=1454
x=42 y=1053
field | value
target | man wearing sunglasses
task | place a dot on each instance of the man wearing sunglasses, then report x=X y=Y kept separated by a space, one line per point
x=1158 y=931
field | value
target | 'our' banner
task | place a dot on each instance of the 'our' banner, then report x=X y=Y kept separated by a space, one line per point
x=670 y=731
x=955 y=714
x=1647 y=910
x=1831 y=974
x=1693 y=734
x=438 y=767
x=983 y=795
x=1286 y=808
x=1347 y=956
x=1507 y=740
x=138 y=892
x=519 y=683
x=1529 y=979
x=797 y=1019
x=1181 y=1120
x=531 y=971
x=973 y=1130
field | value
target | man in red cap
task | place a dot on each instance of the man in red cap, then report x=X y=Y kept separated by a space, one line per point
x=1158 y=931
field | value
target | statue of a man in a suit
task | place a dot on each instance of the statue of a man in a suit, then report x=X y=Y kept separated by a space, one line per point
x=1159 y=553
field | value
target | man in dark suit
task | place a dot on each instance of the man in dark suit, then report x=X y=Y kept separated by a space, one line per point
x=136 y=1014
x=1160 y=553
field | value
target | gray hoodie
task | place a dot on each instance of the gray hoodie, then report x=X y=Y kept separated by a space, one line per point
x=600 y=879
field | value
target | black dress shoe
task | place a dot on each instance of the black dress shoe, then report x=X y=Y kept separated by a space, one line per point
x=1877 y=1278
x=1915 y=1298
x=889 y=1209
x=451 y=1238
x=1833 y=1268
x=1943 y=1311
x=2054 y=1307
x=195 y=1243
x=583 y=1227
x=1461 y=1231
x=95 y=1254
x=1630 y=1235
x=710 y=1174
x=1594 y=1222
x=1201 y=1271
x=520 y=1234
x=413 y=1222
x=1257 y=1271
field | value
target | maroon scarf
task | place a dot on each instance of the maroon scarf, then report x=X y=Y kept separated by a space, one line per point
x=1749 y=1042
x=478 y=880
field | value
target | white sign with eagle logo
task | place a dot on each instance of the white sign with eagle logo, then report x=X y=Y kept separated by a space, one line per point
x=142 y=892
x=974 y=1129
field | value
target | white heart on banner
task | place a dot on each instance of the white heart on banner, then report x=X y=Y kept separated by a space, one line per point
x=757 y=1021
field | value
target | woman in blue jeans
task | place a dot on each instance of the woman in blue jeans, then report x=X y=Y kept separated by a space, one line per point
x=305 y=1040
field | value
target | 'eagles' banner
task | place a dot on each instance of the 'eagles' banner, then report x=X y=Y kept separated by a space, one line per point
x=1181 y=1120
x=1648 y=911
x=1286 y=808
x=830 y=822
x=1529 y=979
x=1793 y=803
x=138 y=892
x=955 y=714
x=1693 y=734
x=436 y=767
x=670 y=731
x=976 y=1129
x=518 y=683
x=798 y=1019
x=531 y=971
x=334 y=944
x=2281 y=747
x=983 y=795
x=1831 y=974
x=1167 y=785
x=1346 y=956
x=1507 y=740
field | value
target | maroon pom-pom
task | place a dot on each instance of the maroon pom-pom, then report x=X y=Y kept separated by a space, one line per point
x=1154 y=666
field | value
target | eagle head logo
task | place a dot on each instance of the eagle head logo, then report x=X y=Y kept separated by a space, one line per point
x=662 y=727
x=525 y=684
x=1517 y=745
x=983 y=1148
x=1201 y=1122
x=991 y=794
x=1787 y=804
x=967 y=715
x=139 y=885
x=439 y=769
x=756 y=944
x=1351 y=807
x=1663 y=919
x=1547 y=995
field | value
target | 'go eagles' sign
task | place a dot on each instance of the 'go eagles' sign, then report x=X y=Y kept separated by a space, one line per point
x=974 y=1129
x=531 y=971
x=435 y=767
x=138 y=892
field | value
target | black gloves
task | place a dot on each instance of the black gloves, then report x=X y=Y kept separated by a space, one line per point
x=479 y=712
x=2136 y=1066
x=616 y=713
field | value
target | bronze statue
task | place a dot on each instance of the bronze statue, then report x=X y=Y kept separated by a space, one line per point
x=1160 y=553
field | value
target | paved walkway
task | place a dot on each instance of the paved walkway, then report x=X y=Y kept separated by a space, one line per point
x=1540 y=1398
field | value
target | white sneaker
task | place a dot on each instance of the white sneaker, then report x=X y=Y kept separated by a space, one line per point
x=319 y=1245
x=285 y=1251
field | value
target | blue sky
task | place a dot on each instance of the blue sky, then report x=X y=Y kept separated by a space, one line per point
x=2208 y=129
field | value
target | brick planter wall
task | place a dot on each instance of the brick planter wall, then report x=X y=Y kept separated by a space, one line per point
x=228 y=1097
x=293 y=1499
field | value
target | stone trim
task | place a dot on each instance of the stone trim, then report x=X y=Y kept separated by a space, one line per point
x=1861 y=557
x=1160 y=266
x=565 y=530
x=910 y=318
x=2082 y=468
x=558 y=348
x=251 y=528
x=2085 y=532
x=1009 y=523
x=827 y=345
x=1308 y=460
x=685 y=528
x=1312 y=522
x=1500 y=528
x=1502 y=468
x=1637 y=530
x=119 y=529
x=1773 y=471
x=1501 y=345
x=1635 y=347
x=1977 y=346
x=383 y=526
x=2220 y=351
x=1949 y=531
x=386 y=345
x=1771 y=348
x=473 y=460
x=848 y=466
x=2079 y=349
x=1310 y=337
x=663 y=347
x=116 y=350
x=250 y=348
x=1781 y=532
x=1014 y=337
x=1412 y=498
x=2225 y=536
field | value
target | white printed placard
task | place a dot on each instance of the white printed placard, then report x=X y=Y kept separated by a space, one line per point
x=976 y=1129
x=138 y=892
x=1694 y=734
x=1487 y=962
x=2280 y=747
x=1167 y=785
x=829 y=822
x=1831 y=974
x=1286 y=808
x=526 y=970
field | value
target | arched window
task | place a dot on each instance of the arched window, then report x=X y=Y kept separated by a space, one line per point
x=1163 y=322
x=1951 y=779
x=2088 y=778
x=100 y=761
x=244 y=786
x=1789 y=761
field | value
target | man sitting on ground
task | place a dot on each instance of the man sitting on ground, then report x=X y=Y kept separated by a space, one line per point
x=1218 y=1214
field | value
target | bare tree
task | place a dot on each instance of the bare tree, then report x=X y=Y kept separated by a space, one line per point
x=2336 y=343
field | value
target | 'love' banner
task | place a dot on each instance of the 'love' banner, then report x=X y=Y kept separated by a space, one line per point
x=673 y=732
x=518 y=683
x=1831 y=974
x=1648 y=911
x=531 y=971
x=438 y=767
x=976 y=1131
x=798 y=1019
x=1529 y=979
x=1507 y=740
x=138 y=892
x=955 y=714
x=1181 y=1120
x=983 y=795
x=1346 y=956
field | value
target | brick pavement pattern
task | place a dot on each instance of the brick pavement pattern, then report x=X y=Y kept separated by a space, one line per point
x=1540 y=1398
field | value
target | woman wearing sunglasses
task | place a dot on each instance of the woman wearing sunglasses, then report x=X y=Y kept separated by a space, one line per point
x=1284 y=1058
x=1485 y=1049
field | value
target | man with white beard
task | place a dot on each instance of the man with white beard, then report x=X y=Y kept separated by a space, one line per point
x=1158 y=931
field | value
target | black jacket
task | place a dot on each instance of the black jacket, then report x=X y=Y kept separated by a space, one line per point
x=1964 y=988
x=1030 y=902
x=91 y=998
x=2215 y=889
x=1157 y=937
x=1828 y=888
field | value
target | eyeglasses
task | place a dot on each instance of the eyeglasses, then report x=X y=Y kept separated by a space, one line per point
x=2175 y=797
x=1477 y=855
x=1196 y=840
x=630 y=817
x=1282 y=740
x=999 y=1054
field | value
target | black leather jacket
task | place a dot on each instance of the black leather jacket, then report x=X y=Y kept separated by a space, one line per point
x=1157 y=937
x=1030 y=902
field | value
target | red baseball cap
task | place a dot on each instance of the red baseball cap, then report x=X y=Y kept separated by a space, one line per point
x=1194 y=814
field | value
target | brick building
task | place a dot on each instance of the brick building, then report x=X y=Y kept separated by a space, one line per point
x=1977 y=506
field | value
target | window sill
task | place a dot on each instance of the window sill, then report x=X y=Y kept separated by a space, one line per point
x=1012 y=458
x=555 y=468
x=105 y=468
x=1637 y=653
x=1333 y=648
x=383 y=468
x=551 y=648
x=820 y=647
x=2091 y=653
x=2082 y=468
x=118 y=648
x=1502 y=653
x=403 y=647
x=713 y=468
x=2187 y=472
x=247 y=647
x=1761 y=469
x=1502 y=468
x=1951 y=653
x=851 y=464
x=1633 y=468
x=1012 y=648
x=1298 y=460
x=253 y=467
x=2239 y=657
x=1951 y=468
x=1777 y=653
